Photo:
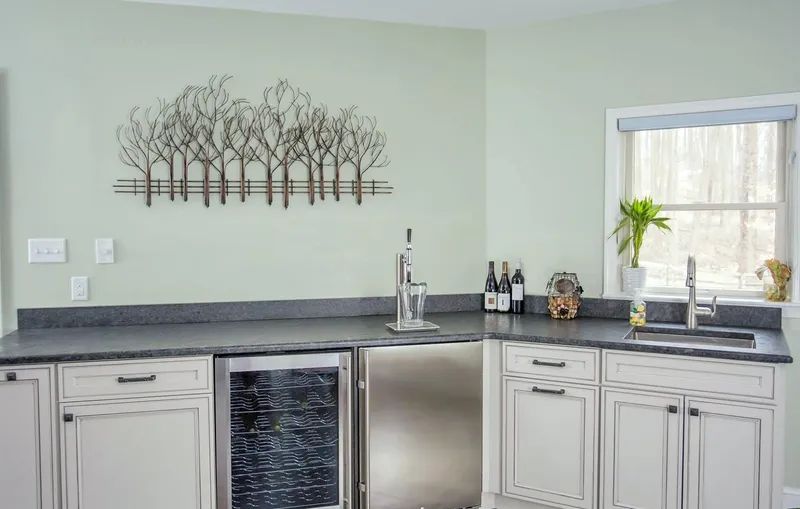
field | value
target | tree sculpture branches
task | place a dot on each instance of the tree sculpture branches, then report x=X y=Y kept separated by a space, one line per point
x=206 y=126
x=366 y=146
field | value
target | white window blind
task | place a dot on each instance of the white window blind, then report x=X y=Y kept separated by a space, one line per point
x=708 y=118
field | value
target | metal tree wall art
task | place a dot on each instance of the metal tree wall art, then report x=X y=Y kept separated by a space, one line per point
x=206 y=133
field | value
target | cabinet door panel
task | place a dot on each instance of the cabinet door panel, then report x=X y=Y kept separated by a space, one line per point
x=550 y=442
x=26 y=430
x=132 y=455
x=641 y=451
x=728 y=452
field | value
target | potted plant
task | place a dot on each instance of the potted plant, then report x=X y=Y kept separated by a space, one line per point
x=638 y=216
x=781 y=273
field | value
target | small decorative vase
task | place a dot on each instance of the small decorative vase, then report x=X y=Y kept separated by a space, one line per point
x=775 y=292
x=633 y=279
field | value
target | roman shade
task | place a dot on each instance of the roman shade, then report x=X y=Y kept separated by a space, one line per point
x=707 y=118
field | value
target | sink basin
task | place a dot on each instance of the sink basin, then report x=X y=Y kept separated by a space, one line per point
x=693 y=337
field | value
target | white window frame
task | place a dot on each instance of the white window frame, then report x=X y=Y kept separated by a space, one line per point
x=615 y=186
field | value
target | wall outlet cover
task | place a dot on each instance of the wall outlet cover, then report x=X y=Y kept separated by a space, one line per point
x=79 y=287
x=47 y=250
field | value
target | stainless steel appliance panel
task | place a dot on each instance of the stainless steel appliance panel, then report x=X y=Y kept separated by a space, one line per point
x=420 y=426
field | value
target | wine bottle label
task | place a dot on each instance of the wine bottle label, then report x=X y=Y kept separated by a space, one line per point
x=503 y=301
x=517 y=292
x=490 y=300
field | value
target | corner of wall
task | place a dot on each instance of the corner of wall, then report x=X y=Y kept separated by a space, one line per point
x=5 y=320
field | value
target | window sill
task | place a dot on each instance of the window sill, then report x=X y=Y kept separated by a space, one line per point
x=791 y=309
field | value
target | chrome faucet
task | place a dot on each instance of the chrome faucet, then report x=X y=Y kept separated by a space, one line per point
x=692 y=309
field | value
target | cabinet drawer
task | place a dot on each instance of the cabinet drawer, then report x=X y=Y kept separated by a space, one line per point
x=551 y=362
x=155 y=377
x=712 y=376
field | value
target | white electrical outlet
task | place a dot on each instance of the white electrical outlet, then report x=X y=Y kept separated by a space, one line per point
x=104 y=250
x=79 y=287
x=47 y=250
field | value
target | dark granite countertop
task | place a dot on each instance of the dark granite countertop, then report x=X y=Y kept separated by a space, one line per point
x=94 y=343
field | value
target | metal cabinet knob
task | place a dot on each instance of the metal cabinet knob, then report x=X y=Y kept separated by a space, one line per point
x=694 y=412
x=11 y=377
x=673 y=409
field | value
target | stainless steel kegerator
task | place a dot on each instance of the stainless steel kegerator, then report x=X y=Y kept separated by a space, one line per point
x=420 y=426
x=284 y=431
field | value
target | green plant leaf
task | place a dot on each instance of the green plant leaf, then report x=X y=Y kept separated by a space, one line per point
x=638 y=215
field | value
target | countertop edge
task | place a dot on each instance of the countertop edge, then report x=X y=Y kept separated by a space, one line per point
x=405 y=339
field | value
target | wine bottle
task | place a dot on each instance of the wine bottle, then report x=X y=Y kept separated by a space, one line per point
x=490 y=291
x=518 y=291
x=504 y=292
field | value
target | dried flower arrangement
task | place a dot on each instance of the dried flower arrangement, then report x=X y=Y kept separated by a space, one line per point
x=781 y=273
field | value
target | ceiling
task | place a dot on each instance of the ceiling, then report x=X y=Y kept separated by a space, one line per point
x=480 y=14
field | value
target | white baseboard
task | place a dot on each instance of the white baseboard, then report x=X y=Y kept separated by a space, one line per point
x=791 y=498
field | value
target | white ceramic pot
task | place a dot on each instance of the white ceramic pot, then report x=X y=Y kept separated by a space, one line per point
x=633 y=279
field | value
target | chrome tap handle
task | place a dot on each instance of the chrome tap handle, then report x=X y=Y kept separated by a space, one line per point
x=408 y=274
x=708 y=312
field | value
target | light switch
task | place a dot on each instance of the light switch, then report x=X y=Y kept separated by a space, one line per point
x=104 y=250
x=47 y=250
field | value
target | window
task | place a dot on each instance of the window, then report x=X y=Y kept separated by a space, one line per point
x=720 y=169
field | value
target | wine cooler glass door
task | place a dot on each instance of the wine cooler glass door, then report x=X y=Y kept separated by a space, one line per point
x=283 y=432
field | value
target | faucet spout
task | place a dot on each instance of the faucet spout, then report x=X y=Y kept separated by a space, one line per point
x=690 y=271
x=692 y=309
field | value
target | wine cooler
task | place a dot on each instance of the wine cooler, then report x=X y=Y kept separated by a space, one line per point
x=284 y=432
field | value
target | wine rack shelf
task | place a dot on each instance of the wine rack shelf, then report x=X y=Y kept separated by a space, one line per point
x=285 y=439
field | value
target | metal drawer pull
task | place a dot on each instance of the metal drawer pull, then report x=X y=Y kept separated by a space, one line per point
x=135 y=379
x=673 y=409
x=561 y=364
x=694 y=412
x=11 y=377
x=548 y=391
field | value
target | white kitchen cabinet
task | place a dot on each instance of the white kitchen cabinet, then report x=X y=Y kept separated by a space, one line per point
x=550 y=442
x=154 y=454
x=27 y=430
x=728 y=455
x=674 y=432
x=642 y=440
x=137 y=434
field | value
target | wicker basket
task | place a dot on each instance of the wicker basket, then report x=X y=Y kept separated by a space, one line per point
x=564 y=295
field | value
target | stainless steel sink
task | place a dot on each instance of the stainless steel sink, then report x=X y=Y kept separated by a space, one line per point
x=693 y=337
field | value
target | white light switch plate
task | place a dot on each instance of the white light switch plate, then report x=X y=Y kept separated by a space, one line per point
x=79 y=287
x=104 y=250
x=47 y=250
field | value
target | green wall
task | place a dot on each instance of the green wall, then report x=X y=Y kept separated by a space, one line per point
x=548 y=87
x=496 y=141
x=71 y=71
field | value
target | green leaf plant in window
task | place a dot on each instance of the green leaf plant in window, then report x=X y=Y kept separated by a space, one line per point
x=637 y=216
